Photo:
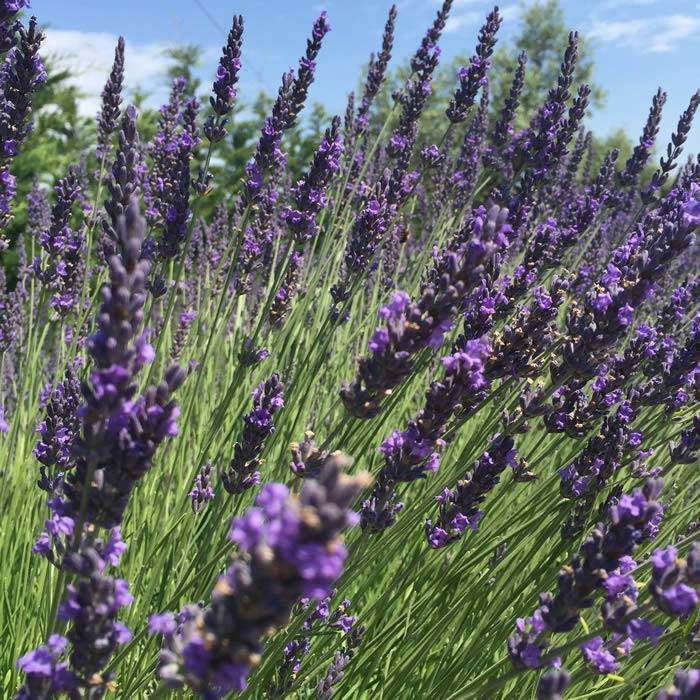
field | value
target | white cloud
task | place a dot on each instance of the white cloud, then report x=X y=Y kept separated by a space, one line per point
x=627 y=31
x=510 y=12
x=655 y=34
x=614 y=4
x=456 y=22
x=89 y=57
x=674 y=28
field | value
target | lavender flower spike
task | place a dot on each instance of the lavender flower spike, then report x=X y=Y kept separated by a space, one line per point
x=61 y=270
x=202 y=491
x=425 y=51
x=675 y=582
x=225 y=84
x=108 y=117
x=242 y=472
x=375 y=74
x=23 y=72
x=288 y=547
x=685 y=686
x=123 y=184
x=605 y=550
x=8 y=16
x=411 y=326
x=121 y=429
x=459 y=506
x=503 y=128
x=473 y=76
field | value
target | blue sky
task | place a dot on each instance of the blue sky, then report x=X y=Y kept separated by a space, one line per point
x=639 y=44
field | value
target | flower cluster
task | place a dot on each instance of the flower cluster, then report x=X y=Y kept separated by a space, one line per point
x=605 y=552
x=22 y=72
x=288 y=548
x=473 y=76
x=412 y=326
x=61 y=270
x=222 y=100
x=242 y=472
x=108 y=117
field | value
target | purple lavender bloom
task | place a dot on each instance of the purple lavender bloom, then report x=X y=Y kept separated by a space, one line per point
x=673 y=151
x=242 y=472
x=169 y=148
x=8 y=17
x=263 y=169
x=468 y=164
x=22 y=73
x=675 y=582
x=58 y=431
x=178 y=213
x=336 y=670
x=108 y=117
x=250 y=356
x=298 y=648
x=414 y=453
x=411 y=326
x=642 y=151
x=473 y=76
x=92 y=606
x=599 y=657
x=202 y=491
x=123 y=183
x=10 y=313
x=121 y=430
x=610 y=306
x=686 y=686
x=46 y=675
x=503 y=129
x=289 y=547
x=310 y=196
x=224 y=96
x=284 y=296
x=185 y=321
x=459 y=510
x=603 y=552
x=62 y=268
x=376 y=72
x=424 y=54
x=685 y=450
x=553 y=683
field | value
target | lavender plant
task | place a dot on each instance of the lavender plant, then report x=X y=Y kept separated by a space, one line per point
x=532 y=380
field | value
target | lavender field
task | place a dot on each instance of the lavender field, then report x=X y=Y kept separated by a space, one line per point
x=402 y=407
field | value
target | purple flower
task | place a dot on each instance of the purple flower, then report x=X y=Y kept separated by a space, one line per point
x=297 y=535
x=600 y=658
x=603 y=553
x=686 y=686
x=625 y=315
x=224 y=90
x=162 y=623
x=473 y=76
x=202 y=491
x=243 y=470
x=412 y=326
